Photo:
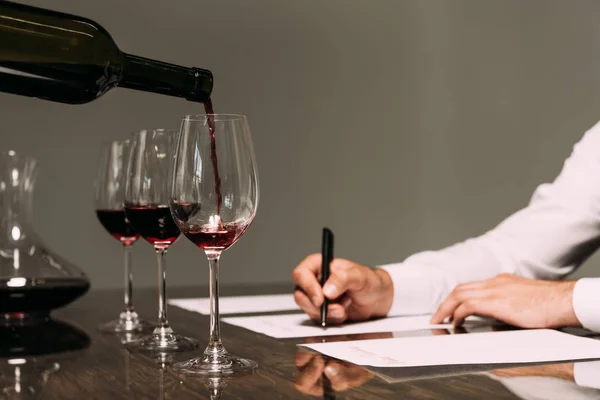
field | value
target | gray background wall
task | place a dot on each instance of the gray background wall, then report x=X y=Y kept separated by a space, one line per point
x=401 y=125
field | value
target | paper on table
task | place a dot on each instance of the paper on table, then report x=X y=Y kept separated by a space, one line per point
x=240 y=304
x=521 y=346
x=299 y=325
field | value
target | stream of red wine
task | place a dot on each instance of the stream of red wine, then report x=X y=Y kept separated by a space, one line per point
x=208 y=108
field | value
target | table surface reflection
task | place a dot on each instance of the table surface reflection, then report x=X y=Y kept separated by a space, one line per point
x=87 y=364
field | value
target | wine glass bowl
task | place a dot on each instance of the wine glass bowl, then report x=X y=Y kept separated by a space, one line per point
x=213 y=199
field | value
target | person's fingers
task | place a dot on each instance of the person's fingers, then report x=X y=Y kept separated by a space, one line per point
x=345 y=276
x=476 y=304
x=345 y=301
x=356 y=375
x=305 y=304
x=459 y=330
x=440 y=332
x=333 y=371
x=314 y=390
x=459 y=295
x=344 y=376
x=307 y=381
x=464 y=310
x=303 y=357
x=336 y=314
x=446 y=308
x=305 y=276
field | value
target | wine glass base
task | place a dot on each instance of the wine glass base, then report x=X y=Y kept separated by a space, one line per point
x=209 y=365
x=163 y=344
x=121 y=326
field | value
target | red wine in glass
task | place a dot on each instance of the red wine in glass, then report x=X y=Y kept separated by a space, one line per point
x=218 y=236
x=117 y=224
x=215 y=238
x=154 y=223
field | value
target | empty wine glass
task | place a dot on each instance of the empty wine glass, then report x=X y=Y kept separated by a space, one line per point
x=214 y=196
x=109 y=203
x=147 y=207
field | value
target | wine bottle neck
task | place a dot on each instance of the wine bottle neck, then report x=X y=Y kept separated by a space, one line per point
x=194 y=84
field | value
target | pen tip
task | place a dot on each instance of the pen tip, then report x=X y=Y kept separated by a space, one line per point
x=323 y=324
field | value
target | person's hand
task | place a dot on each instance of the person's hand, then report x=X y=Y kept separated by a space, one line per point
x=517 y=301
x=356 y=292
x=342 y=376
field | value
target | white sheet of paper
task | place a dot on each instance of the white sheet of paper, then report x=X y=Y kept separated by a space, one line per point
x=240 y=304
x=299 y=325
x=520 y=346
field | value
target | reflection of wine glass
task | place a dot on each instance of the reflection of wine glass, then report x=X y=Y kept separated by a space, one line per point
x=147 y=207
x=110 y=196
x=125 y=338
x=22 y=378
x=216 y=386
x=214 y=195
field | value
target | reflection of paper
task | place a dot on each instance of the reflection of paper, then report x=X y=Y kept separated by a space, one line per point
x=240 y=304
x=521 y=346
x=299 y=325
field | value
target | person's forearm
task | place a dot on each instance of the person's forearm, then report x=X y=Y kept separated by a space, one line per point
x=547 y=240
x=423 y=280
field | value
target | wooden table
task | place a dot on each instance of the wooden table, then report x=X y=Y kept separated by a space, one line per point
x=100 y=367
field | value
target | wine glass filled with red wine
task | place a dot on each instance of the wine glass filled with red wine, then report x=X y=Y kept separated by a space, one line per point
x=147 y=207
x=214 y=196
x=109 y=203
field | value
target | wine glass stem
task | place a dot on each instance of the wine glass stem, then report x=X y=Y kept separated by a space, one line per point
x=128 y=295
x=163 y=324
x=215 y=347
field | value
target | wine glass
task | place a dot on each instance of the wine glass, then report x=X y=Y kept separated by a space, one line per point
x=214 y=195
x=147 y=207
x=109 y=203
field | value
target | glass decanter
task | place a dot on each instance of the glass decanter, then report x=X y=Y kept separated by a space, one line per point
x=33 y=279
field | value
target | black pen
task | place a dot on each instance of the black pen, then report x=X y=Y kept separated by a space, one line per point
x=327 y=256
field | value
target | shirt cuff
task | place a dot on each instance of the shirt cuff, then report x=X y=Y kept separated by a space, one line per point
x=587 y=374
x=586 y=295
x=414 y=291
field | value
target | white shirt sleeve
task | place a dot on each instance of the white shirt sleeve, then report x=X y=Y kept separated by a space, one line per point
x=548 y=239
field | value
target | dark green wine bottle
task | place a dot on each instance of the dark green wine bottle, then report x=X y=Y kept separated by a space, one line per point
x=68 y=59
